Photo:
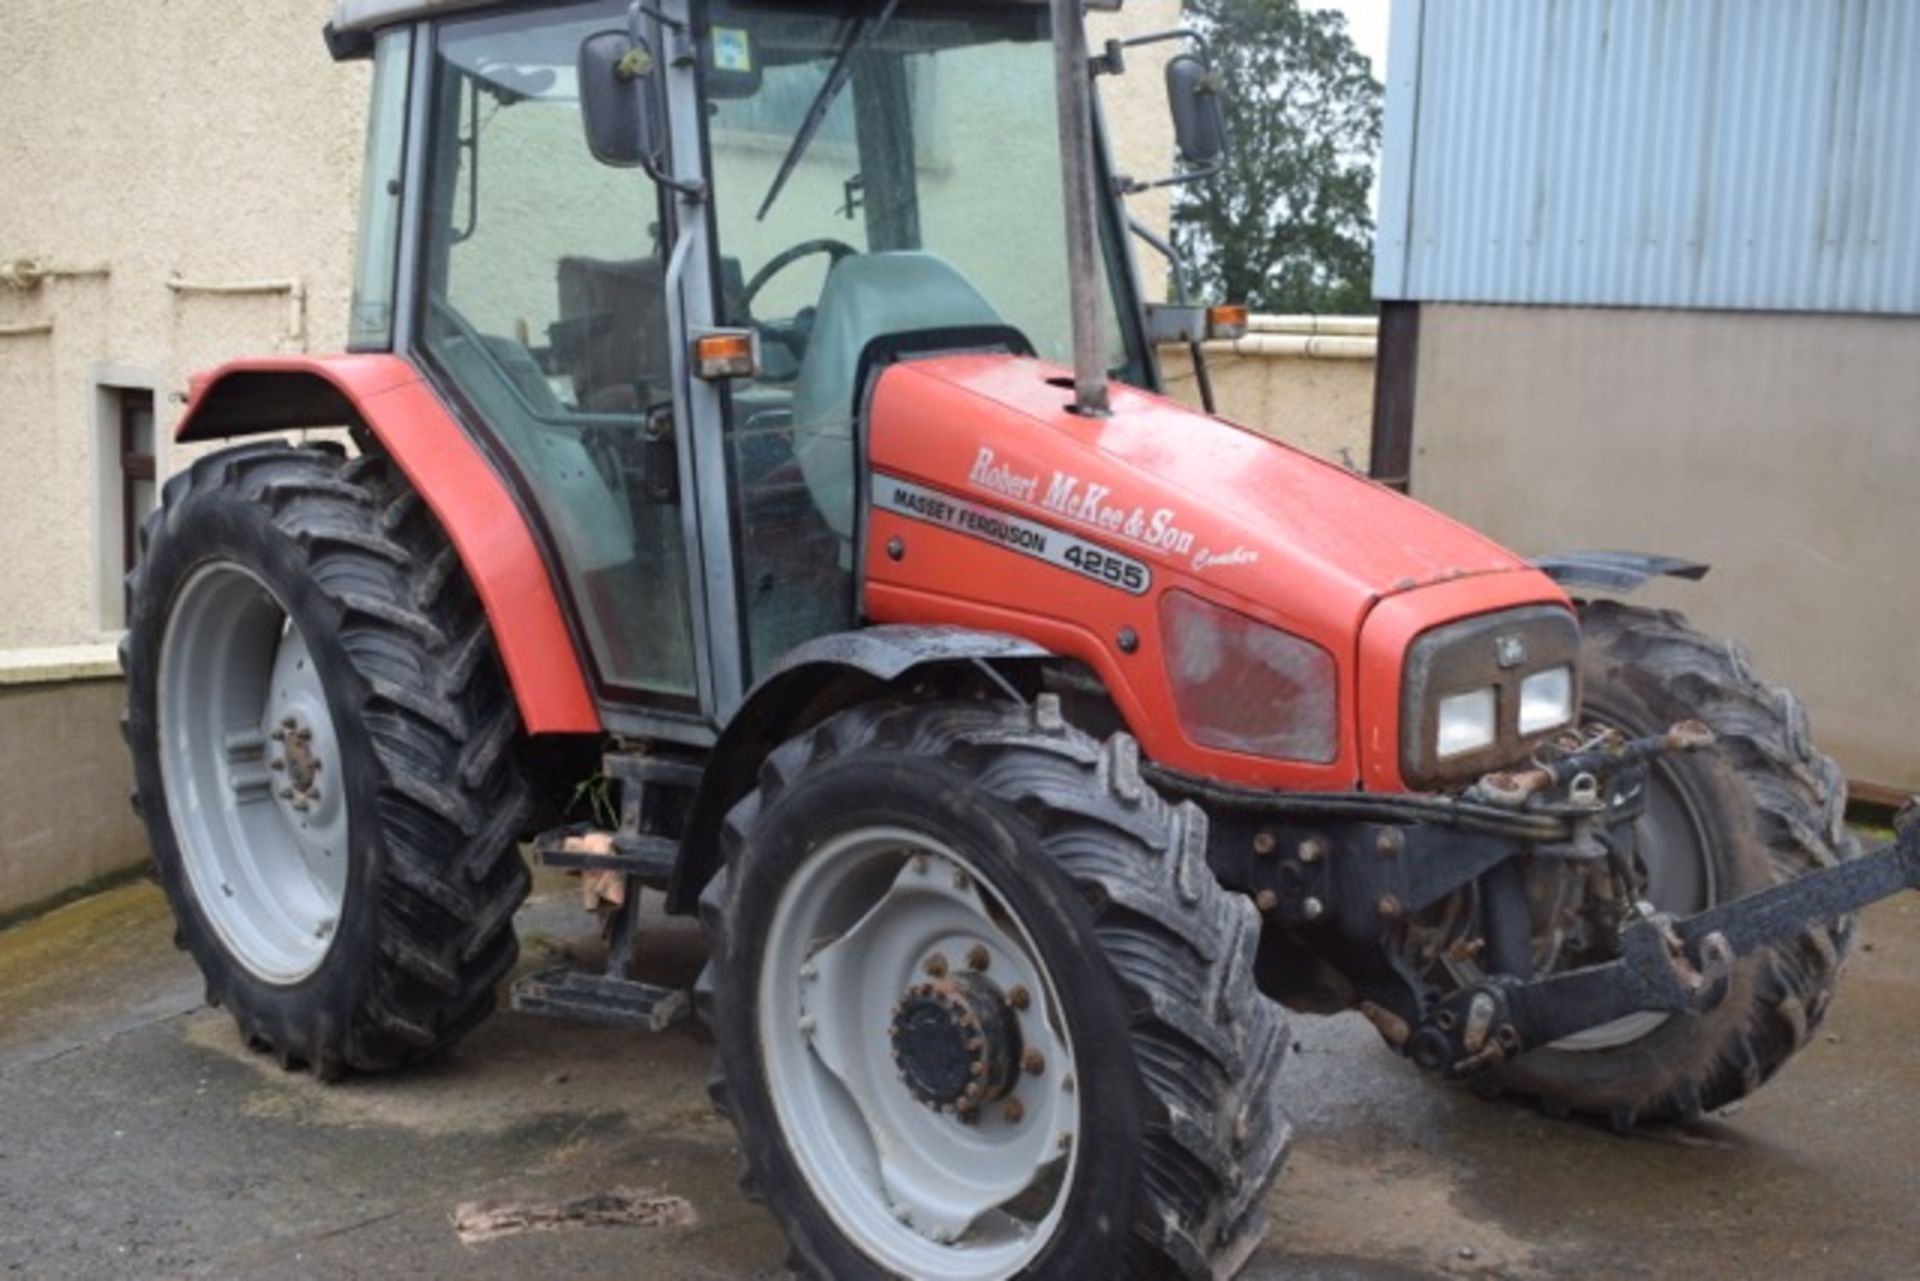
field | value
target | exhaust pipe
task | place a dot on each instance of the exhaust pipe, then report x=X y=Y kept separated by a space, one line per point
x=1074 y=89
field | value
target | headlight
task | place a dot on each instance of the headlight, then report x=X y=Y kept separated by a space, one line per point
x=1546 y=700
x=1480 y=693
x=1467 y=723
x=1242 y=686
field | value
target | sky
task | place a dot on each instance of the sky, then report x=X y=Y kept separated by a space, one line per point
x=1367 y=24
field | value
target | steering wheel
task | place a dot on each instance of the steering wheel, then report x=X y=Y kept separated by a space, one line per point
x=837 y=249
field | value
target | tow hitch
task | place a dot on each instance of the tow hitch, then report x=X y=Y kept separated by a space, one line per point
x=1667 y=964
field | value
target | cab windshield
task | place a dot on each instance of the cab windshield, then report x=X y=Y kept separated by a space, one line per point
x=940 y=139
x=878 y=170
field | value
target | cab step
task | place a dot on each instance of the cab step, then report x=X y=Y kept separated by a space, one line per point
x=567 y=993
x=654 y=790
x=582 y=848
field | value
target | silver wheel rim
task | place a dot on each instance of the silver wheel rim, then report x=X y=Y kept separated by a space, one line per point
x=251 y=766
x=919 y=1191
x=1679 y=880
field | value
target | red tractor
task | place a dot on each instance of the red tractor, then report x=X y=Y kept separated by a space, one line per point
x=737 y=436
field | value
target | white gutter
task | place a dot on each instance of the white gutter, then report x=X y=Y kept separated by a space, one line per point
x=1297 y=347
x=1343 y=326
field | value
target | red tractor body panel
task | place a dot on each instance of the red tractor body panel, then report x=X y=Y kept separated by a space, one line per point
x=472 y=503
x=1214 y=509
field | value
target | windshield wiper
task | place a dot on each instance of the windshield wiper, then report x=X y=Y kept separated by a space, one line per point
x=862 y=31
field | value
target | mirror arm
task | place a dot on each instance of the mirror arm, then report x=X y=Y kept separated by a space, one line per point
x=1177 y=33
x=1165 y=249
x=695 y=192
x=1132 y=187
x=641 y=9
x=1177 y=269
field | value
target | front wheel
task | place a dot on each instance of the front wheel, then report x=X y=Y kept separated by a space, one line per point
x=982 y=1010
x=1760 y=807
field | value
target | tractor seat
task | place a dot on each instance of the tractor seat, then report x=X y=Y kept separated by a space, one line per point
x=867 y=296
x=611 y=339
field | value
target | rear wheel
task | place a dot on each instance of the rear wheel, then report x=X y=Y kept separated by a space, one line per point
x=982 y=1010
x=323 y=751
x=1760 y=807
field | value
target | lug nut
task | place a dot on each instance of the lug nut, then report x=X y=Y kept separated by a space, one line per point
x=1390 y=907
x=936 y=966
x=978 y=958
x=1312 y=850
x=289 y=724
x=286 y=793
x=1312 y=908
x=1266 y=901
x=1015 y=1111
x=1033 y=1062
x=1389 y=841
x=278 y=736
x=276 y=764
x=1018 y=997
x=1264 y=843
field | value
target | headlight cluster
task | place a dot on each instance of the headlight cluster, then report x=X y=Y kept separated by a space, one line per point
x=1477 y=694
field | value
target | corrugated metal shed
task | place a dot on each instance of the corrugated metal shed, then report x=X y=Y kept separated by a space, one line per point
x=1750 y=154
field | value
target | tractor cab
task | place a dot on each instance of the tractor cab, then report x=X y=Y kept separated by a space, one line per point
x=809 y=187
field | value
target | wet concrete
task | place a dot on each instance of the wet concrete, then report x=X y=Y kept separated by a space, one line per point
x=138 y=1137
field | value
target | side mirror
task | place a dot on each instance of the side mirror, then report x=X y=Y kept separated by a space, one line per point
x=617 y=101
x=1199 y=123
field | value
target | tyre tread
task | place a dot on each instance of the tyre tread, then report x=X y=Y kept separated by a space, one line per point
x=450 y=798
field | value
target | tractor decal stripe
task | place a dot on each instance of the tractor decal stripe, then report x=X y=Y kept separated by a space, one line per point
x=991 y=525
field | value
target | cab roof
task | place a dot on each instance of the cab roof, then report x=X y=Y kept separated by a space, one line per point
x=359 y=16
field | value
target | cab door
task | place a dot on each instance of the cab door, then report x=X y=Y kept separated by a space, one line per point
x=544 y=315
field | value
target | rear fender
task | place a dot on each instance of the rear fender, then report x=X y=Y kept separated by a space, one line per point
x=810 y=683
x=386 y=397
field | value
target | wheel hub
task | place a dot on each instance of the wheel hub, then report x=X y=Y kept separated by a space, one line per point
x=956 y=1043
x=299 y=762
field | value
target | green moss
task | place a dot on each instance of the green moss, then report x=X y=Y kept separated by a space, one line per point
x=73 y=894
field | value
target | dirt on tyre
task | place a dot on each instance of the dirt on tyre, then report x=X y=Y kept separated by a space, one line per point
x=982 y=1009
x=324 y=754
x=1761 y=807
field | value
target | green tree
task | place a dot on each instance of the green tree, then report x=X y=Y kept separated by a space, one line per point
x=1287 y=227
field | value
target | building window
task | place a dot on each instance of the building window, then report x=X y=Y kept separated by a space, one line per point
x=136 y=468
x=126 y=486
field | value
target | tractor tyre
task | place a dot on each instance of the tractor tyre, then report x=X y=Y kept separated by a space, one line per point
x=1760 y=807
x=982 y=1009
x=324 y=752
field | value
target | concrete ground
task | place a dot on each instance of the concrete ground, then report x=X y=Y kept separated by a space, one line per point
x=139 y=1138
